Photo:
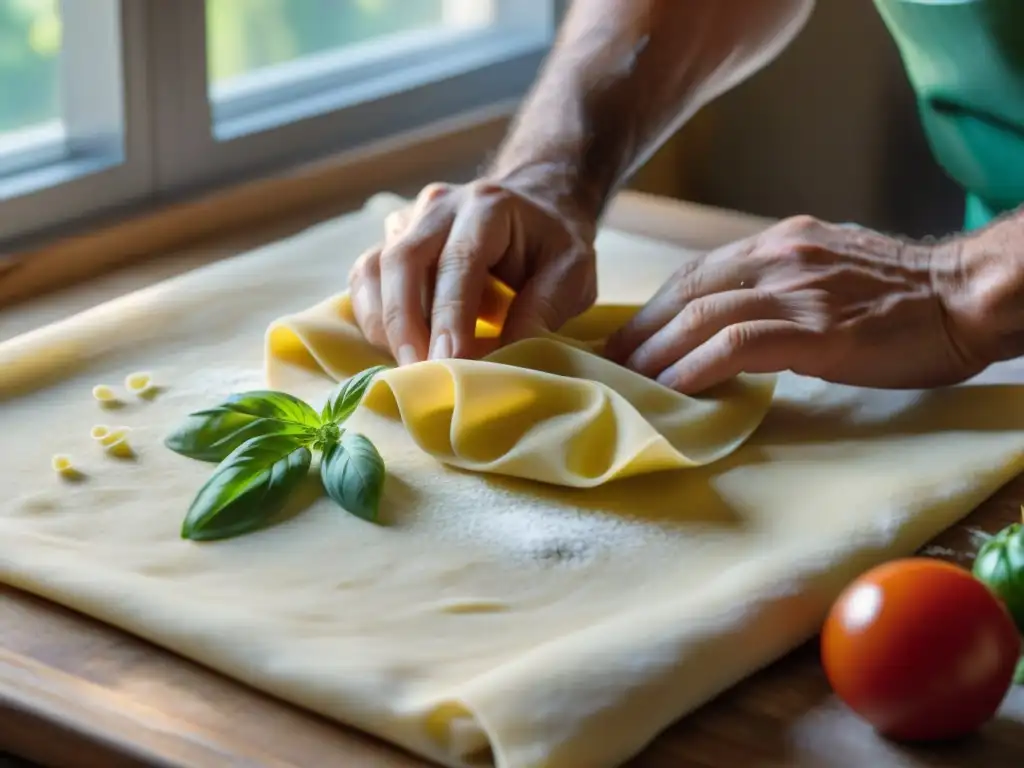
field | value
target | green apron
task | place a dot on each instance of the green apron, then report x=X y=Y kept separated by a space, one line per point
x=965 y=60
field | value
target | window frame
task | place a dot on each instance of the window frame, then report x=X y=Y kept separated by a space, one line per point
x=174 y=145
x=102 y=155
x=324 y=115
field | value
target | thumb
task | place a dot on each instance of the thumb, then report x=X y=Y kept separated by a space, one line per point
x=553 y=296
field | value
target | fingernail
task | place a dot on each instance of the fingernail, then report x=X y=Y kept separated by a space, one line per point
x=442 y=348
x=407 y=354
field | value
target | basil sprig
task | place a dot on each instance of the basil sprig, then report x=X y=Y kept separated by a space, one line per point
x=263 y=443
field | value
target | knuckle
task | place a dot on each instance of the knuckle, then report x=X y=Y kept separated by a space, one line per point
x=434 y=192
x=695 y=314
x=396 y=222
x=367 y=266
x=457 y=257
x=796 y=225
x=683 y=286
x=547 y=311
x=447 y=311
x=736 y=338
x=487 y=189
x=392 y=318
x=396 y=257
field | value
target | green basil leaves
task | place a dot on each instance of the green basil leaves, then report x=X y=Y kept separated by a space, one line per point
x=353 y=475
x=263 y=442
x=347 y=396
x=212 y=434
x=249 y=487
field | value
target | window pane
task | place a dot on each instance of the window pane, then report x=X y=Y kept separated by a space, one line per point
x=30 y=42
x=244 y=37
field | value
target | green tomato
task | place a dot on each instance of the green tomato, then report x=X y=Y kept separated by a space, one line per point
x=1000 y=565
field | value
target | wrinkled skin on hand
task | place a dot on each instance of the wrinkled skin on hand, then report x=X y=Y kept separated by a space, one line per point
x=837 y=302
x=422 y=289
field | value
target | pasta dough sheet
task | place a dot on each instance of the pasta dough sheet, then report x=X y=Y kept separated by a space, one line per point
x=491 y=619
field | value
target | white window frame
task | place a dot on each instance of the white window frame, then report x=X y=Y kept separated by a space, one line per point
x=179 y=137
x=99 y=154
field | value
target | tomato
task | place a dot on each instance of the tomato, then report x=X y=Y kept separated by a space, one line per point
x=921 y=649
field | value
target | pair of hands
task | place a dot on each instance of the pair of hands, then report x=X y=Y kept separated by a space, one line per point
x=836 y=302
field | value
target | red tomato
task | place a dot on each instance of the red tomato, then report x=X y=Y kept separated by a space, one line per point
x=920 y=649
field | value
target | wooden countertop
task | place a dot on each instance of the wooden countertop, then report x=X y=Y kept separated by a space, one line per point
x=76 y=692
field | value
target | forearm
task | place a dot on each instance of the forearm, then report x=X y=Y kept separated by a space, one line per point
x=623 y=76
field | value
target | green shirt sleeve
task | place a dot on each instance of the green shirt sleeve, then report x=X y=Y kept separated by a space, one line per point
x=965 y=61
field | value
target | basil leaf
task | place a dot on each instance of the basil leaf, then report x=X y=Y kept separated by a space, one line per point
x=347 y=396
x=212 y=434
x=1018 y=675
x=353 y=475
x=250 y=486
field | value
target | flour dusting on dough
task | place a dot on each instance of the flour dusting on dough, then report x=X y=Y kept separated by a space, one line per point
x=215 y=384
x=553 y=536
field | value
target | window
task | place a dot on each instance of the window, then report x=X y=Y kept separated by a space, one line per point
x=31 y=125
x=62 y=112
x=106 y=102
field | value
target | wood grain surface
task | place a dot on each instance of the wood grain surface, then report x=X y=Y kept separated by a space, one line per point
x=74 y=692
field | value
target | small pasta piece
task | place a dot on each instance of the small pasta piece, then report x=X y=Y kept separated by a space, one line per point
x=139 y=383
x=104 y=395
x=113 y=440
x=119 y=446
x=64 y=467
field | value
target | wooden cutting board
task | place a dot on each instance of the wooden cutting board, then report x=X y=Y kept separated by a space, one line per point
x=75 y=692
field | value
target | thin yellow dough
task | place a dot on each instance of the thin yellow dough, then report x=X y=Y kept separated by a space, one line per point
x=542 y=588
x=546 y=409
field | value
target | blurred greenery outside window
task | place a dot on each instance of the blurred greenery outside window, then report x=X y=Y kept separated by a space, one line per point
x=239 y=87
x=30 y=38
x=244 y=36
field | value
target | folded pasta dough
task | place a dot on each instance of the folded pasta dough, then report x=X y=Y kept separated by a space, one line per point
x=546 y=409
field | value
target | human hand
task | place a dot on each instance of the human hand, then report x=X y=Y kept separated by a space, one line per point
x=423 y=288
x=837 y=302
